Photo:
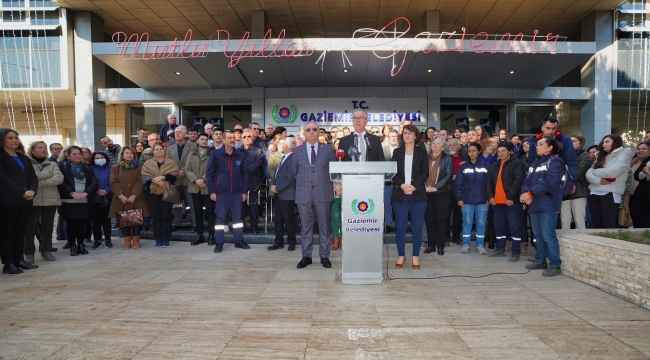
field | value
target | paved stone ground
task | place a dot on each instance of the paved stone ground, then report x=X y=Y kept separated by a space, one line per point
x=186 y=302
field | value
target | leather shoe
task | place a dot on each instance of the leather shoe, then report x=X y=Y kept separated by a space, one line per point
x=304 y=262
x=326 y=262
x=430 y=249
x=22 y=264
x=66 y=246
x=54 y=249
x=275 y=247
x=292 y=248
x=11 y=269
x=441 y=251
x=242 y=245
x=218 y=248
x=211 y=241
x=199 y=240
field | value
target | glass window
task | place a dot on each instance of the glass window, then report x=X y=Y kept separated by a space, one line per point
x=13 y=3
x=14 y=62
x=46 y=62
x=530 y=118
x=494 y=115
x=150 y=118
x=237 y=114
x=207 y=111
x=44 y=17
x=42 y=3
x=449 y=113
x=14 y=16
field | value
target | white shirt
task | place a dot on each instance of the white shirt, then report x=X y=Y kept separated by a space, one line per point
x=408 y=169
x=308 y=146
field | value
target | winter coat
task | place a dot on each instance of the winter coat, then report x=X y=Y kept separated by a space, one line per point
x=256 y=167
x=472 y=182
x=445 y=174
x=127 y=183
x=419 y=174
x=49 y=177
x=567 y=154
x=14 y=182
x=582 y=185
x=113 y=156
x=616 y=166
x=226 y=172
x=195 y=168
x=103 y=175
x=67 y=186
x=543 y=182
x=512 y=177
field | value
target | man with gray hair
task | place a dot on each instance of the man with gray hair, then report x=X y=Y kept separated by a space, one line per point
x=283 y=186
x=258 y=142
x=180 y=152
x=171 y=125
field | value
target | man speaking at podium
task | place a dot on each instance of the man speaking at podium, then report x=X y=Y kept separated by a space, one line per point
x=368 y=146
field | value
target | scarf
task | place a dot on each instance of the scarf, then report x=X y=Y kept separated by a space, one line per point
x=77 y=171
x=434 y=165
x=128 y=165
x=150 y=168
x=38 y=160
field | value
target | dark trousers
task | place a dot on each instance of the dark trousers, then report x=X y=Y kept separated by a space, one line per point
x=253 y=209
x=161 y=217
x=200 y=202
x=131 y=231
x=437 y=218
x=640 y=212
x=507 y=223
x=76 y=231
x=44 y=215
x=229 y=202
x=604 y=211
x=13 y=222
x=60 y=230
x=101 y=221
x=457 y=218
x=284 y=220
x=88 y=229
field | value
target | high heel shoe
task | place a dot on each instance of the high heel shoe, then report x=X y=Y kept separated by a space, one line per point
x=399 y=265
x=415 y=267
x=11 y=269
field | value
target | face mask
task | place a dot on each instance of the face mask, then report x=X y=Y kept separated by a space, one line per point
x=100 y=162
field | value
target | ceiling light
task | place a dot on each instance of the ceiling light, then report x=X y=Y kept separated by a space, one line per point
x=512 y=72
x=345 y=70
x=261 y=71
x=429 y=70
x=177 y=73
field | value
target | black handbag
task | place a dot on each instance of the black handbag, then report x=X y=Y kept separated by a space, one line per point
x=105 y=200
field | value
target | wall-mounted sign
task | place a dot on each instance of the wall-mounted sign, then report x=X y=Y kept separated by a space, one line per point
x=385 y=43
x=294 y=112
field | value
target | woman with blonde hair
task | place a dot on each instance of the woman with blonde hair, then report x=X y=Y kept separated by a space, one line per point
x=46 y=201
x=128 y=193
x=158 y=174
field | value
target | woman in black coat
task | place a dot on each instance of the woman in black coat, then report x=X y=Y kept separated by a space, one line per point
x=18 y=185
x=77 y=191
x=409 y=195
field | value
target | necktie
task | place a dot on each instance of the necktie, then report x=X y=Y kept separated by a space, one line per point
x=279 y=166
x=313 y=156
x=356 y=145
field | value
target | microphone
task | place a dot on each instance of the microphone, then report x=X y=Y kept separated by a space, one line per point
x=367 y=140
x=340 y=154
x=353 y=153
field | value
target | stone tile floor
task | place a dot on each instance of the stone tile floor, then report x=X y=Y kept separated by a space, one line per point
x=186 y=302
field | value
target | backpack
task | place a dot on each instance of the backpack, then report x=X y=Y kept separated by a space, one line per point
x=568 y=183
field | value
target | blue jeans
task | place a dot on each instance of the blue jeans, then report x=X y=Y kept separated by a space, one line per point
x=388 y=208
x=471 y=213
x=401 y=221
x=548 y=245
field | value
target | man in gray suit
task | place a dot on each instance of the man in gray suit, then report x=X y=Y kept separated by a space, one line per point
x=284 y=188
x=314 y=193
x=180 y=151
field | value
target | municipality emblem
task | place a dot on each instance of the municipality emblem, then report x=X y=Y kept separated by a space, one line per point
x=363 y=207
x=285 y=114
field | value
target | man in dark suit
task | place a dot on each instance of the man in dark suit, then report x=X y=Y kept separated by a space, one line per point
x=179 y=152
x=368 y=145
x=393 y=143
x=284 y=188
x=314 y=193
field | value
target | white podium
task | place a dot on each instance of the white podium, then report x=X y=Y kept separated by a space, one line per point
x=362 y=218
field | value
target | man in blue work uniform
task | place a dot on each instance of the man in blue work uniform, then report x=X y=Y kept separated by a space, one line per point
x=227 y=184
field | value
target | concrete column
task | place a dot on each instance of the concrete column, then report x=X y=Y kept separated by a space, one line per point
x=257 y=105
x=433 y=105
x=259 y=24
x=90 y=115
x=431 y=21
x=597 y=74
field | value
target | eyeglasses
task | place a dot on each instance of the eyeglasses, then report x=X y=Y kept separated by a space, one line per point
x=375 y=132
x=246 y=136
x=407 y=133
x=258 y=129
x=311 y=130
x=358 y=118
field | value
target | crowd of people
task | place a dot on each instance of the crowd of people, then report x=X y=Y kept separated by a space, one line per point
x=447 y=184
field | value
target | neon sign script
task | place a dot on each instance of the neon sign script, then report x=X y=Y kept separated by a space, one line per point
x=385 y=43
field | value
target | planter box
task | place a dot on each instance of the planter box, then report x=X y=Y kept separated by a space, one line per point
x=618 y=267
